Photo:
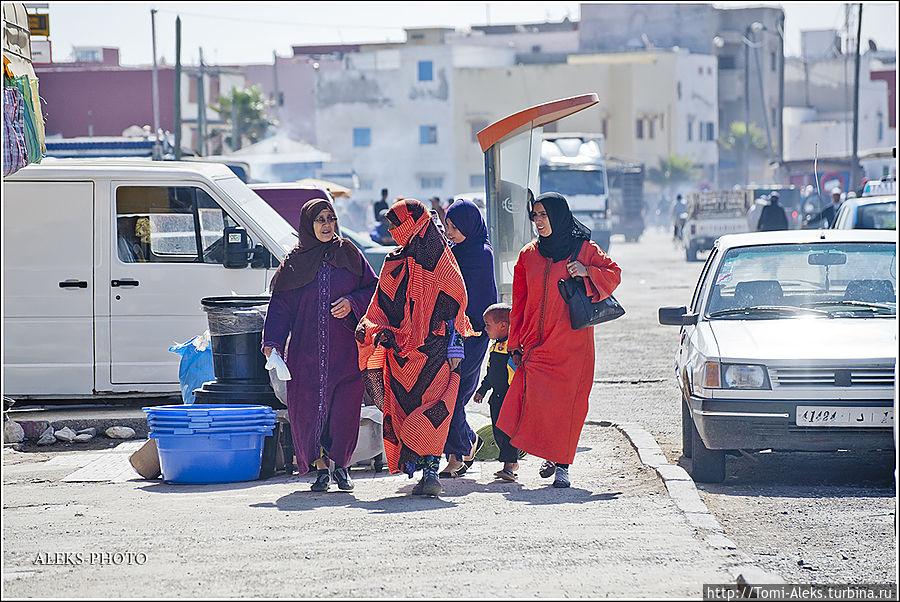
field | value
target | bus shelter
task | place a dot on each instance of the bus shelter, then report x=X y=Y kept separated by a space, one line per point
x=512 y=152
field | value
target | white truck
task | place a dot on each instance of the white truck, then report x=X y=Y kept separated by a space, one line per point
x=574 y=165
x=712 y=213
x=105 y=264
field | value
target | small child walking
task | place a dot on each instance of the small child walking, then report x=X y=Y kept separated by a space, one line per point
x=499 y=375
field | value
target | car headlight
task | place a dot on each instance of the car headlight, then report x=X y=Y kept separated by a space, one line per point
x=734 y=376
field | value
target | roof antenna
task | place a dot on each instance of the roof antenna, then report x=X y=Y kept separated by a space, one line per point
x=816 y=172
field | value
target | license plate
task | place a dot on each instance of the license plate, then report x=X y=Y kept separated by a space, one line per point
x=836 y=416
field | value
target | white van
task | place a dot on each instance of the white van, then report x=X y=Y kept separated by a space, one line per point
x=105 y=263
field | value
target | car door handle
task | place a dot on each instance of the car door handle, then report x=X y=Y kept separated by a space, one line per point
x=73 y=284
x=126 y=282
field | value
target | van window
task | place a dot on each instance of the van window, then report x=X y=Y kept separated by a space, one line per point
x=168 y=224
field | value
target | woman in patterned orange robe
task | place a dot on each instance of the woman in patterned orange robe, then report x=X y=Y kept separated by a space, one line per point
x=409 y=336
x=544 y=410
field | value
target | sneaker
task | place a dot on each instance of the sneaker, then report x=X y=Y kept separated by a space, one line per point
x=342 y=478
x=322 y=480
x=548 y=468
x=431 y=485
x=562 y=477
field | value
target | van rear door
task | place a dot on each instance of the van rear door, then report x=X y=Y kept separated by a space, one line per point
x=167 y=255
x=48 y=243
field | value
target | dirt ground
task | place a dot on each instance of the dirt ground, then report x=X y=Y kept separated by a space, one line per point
x=615 y=533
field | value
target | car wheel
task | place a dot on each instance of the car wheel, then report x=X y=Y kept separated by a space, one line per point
x=707 y=465
x=687 y=426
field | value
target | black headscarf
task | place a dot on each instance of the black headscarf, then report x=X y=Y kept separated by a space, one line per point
x=567 y=233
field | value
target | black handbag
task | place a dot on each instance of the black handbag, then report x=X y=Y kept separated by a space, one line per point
x=583 y=312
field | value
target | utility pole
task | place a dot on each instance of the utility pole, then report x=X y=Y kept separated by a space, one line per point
x=201 y=110
x=177 y=88
x=854 y=159
x=157 y=151
x=747 y=105
x=780 y=29
x=277 y=103
x=235 y=126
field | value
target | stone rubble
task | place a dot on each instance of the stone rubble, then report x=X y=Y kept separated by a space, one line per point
x=120 y=432
x=13 y=432
x=47 y=437
x=65 y=435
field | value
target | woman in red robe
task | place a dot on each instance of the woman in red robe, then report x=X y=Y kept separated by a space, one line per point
x=545 y=407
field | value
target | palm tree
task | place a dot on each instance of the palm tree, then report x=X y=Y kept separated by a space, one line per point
x=252 y=114
x=673 y=170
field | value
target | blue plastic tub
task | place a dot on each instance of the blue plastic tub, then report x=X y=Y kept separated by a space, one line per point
x=183 y=430
x=212 y=458
x=215 y=411
x=232 y=424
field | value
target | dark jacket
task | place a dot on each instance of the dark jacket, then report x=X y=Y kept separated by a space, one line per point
x=499 y=373
x=772 y=217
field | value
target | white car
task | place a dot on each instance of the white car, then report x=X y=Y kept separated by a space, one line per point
x=789 y=343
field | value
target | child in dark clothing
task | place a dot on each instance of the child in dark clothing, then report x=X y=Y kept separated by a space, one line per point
x=499 y=374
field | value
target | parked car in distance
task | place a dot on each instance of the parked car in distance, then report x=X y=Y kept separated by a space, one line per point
x=287 y=199
x=868 y=213
x=789 y=343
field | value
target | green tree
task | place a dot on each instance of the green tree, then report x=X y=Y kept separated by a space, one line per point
x=733 y=139
x=673 y=170
x=252 y=118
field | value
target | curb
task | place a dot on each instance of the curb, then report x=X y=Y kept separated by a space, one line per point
x=683 y=491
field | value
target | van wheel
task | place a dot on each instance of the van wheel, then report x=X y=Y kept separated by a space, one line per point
x=687 y=425
x=690 y=253
x=707 y=465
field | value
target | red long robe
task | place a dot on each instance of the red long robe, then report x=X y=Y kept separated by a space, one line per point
x=544 y=410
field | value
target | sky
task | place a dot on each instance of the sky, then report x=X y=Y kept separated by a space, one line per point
x=243 y=32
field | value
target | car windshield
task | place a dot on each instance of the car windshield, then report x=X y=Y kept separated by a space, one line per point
x=571 y=182
x=826 y=279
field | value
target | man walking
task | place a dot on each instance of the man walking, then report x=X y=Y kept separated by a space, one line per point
x=773 y=216
x=381 y=205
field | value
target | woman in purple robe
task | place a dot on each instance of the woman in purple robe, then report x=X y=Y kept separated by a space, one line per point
x=319 y=293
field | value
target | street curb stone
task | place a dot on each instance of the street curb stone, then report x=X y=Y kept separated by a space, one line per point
x=683 y=491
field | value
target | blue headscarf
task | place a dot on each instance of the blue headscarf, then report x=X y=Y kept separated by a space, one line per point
x=475 y=257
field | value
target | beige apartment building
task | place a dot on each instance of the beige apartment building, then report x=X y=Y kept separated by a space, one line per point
x=651 y=105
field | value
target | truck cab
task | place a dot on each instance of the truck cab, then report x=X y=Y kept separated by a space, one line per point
x=574 y=165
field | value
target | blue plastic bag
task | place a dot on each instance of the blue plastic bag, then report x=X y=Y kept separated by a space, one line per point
x=196 y=365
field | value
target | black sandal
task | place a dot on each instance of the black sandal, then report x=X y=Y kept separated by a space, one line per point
x=452 y=474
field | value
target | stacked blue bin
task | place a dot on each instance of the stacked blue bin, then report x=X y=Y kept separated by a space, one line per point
x=212 y=443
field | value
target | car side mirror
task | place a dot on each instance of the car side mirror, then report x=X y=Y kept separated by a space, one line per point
x=676 y=316
x=237 y=248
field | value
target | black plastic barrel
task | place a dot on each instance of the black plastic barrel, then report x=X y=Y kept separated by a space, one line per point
x=235 y=328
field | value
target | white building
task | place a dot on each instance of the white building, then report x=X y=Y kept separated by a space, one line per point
x=405 y=118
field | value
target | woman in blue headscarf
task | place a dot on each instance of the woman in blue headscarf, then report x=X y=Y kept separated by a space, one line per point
x=468 y=236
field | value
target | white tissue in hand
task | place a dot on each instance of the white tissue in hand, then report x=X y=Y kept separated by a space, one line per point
x=276 y=363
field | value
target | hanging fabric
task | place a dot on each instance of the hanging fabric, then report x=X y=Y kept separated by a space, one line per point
x=15 y=152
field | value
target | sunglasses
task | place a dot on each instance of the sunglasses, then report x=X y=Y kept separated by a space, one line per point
x=326 y=220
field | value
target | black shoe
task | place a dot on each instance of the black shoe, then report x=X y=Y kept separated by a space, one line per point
x=342 y=478
x=322 y=480
x=429 y=485
x=562 y=477
x=547 y=469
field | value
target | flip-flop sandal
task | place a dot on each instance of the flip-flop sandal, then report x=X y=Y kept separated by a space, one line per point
x=479 y=443
x=452 y=474
x=506 y=475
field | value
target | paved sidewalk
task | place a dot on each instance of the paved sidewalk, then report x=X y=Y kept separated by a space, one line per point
x=616 y=533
